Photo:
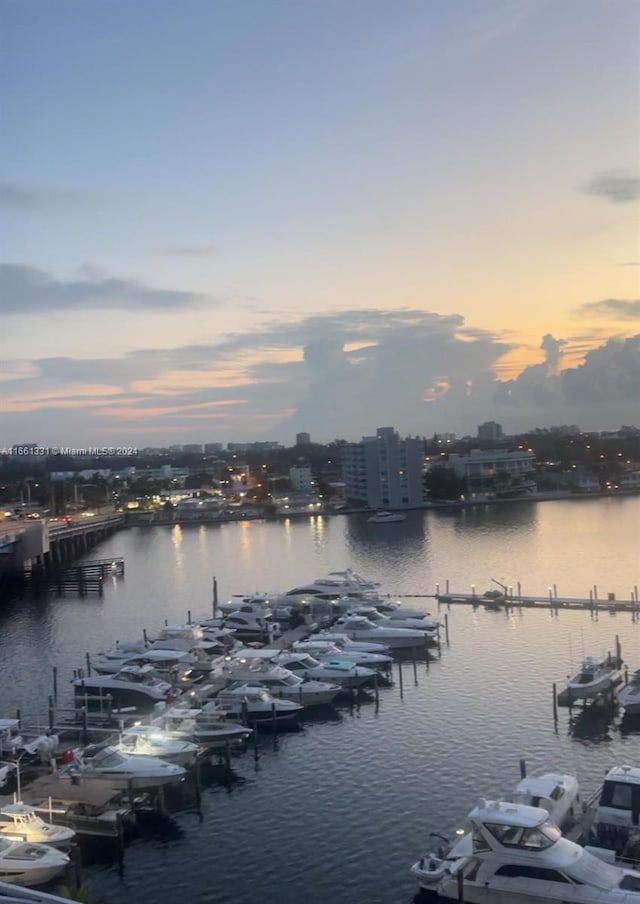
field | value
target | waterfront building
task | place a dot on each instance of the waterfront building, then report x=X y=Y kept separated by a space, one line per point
x=495 y=472
x=301 y=478
x=303 y=439
x=384 y=471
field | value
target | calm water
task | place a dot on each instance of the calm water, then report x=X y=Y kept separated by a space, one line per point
x=337 y=811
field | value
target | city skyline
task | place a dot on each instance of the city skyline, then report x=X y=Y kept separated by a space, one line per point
x=235 y=222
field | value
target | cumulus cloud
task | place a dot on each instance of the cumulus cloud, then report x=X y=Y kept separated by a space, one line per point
x=26 y=289
x=338 y=375
x=615 y=186
x=615 y=308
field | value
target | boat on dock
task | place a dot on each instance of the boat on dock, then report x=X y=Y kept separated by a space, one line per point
x=597 y=675
x=616 y=817
x=104 y=763
x=628 y=696
x=20 y=822
x=557 y=793
x=133 y=685
x=27 y=864
x=255 y=704
x=151 y=741
x=514 y=854
x=207 y=727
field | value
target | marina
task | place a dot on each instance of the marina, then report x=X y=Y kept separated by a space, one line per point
x=419 y=756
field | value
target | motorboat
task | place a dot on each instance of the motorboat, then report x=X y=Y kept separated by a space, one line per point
x=264 y=606
x=394 y=609
x=255 y=704
x=428 y=625
x=616 y=817
x=10 y=738
x=352 y=646
x=384 y=517
x=359 y=628
x=20 y=822
x=8 y=773
x=337 y=582
x=340 y=672
x=279 y=681
x=133 y=685
x=211 y=729
x=103 y=762
x=558 y=794
x=13 y=894
x=147 y=740
x=494 y=599
x=328 y=649
x=28 y=864
x=514 y=854
x=597 y=674
x=248 y=626
x=628 y=696
x=163 y=660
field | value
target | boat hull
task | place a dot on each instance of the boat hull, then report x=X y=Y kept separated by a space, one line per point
x=33 y=877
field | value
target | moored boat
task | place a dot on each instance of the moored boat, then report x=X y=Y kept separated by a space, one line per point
x=597 y=675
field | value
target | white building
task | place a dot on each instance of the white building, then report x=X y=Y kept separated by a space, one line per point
x=384 y=471
x=301 y=478
x=495 y=472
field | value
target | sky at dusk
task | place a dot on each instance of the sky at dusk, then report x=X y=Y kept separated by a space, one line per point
x=234 y=220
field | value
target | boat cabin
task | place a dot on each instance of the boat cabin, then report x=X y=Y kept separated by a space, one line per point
x=617 y=812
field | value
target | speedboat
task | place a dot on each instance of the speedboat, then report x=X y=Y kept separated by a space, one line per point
x=597 y=674
x=384 y=517
x=147 y=740
x=133 y=685
x=340 y=672
x=102 y=762
x=392 y=608
x=556 y=793
x=359 y=628
x=28 y=864
x=209 y=729
x=8 y=773
x=20 y=822
x=255 y=704
x=514 y=854
x=628 y=696
x=328 y=649
x=248 y=626
x=162 y=660
x=279 y=680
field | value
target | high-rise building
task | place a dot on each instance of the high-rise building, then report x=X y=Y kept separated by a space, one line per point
x=384 y=471
x=301 y=478
x=303 y=439
x=490 y=432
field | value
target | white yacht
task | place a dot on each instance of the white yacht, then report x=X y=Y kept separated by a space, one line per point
x=428 y=625
x=384 y=517
x=20 y=822
x=163 y=660
x=340 y=672
x=339 y=583
x=328 y=649
x=557 y=793
x=255 y=704
x=28 y=864
x=514 y=854
x=148 y=740
x=628 y=696
x=278 y=680
x=597 y=674
x=359 y=628
x=210 y=730
x=133 y=685
x=101 y=762
x=352 y=646
x=8 y=773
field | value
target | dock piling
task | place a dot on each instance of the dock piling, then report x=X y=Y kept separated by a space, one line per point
x=55 y=682
x=523 y=768
x=446 y=629
x=400 y=679
x=215 y=596
x=555 y=703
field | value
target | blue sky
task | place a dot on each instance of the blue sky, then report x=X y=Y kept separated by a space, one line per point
x=233 y=220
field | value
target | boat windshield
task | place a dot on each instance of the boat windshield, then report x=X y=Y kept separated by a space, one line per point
x=537 y=838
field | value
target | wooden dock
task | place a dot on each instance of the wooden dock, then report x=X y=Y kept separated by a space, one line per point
x=513 y=601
